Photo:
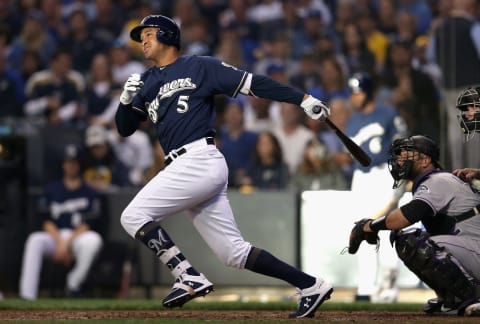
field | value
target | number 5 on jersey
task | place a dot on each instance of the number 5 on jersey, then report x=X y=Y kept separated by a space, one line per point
x=156 y=113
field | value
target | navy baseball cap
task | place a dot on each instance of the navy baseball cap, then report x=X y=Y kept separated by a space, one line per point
x=71 y=152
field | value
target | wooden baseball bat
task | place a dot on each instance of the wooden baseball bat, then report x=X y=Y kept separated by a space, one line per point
x=352 y=147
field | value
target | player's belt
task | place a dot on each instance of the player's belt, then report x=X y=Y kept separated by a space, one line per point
x=469 y=214
x=173 y=154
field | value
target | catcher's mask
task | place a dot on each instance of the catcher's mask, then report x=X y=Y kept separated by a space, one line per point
x=468 y=105
x=411 y=145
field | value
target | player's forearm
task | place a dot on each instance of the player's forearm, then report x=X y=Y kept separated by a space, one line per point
x=126 y=120
x=52 y=229
x=265 y=87
x=393 y=221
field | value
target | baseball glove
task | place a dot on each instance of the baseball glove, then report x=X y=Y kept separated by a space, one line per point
x=357 y=235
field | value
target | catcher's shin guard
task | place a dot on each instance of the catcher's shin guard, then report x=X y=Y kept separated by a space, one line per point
x=436 y=267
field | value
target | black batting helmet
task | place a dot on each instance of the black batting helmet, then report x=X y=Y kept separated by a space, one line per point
x=361 y=82
x=168 y=31
x=468 y=104
x=417 y=143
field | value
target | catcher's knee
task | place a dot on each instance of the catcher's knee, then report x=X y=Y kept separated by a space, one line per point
x=436 y=267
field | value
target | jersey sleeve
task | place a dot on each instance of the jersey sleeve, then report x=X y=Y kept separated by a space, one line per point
x=223 y=78
x=229 y=80
x=429 y=192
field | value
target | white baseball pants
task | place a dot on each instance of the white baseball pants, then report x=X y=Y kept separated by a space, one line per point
x=40 y=244
x=196 y=182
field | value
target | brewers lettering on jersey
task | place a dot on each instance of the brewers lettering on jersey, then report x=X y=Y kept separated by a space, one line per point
x=177 y=96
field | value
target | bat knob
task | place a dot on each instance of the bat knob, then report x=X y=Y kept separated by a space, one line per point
x=316 y=109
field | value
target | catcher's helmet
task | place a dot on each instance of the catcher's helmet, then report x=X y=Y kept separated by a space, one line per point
x=361 y=82
x=417 y=143
x=468 y=104
x=168 y=31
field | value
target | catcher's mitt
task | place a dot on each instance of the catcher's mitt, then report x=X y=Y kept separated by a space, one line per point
x=357 y=235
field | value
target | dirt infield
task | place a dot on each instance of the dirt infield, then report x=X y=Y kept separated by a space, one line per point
x=357 y=317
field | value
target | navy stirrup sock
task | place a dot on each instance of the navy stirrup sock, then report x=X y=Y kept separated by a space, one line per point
x=261 y=261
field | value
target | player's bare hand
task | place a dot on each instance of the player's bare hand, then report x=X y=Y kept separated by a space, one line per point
x=315 y=108
x=62 y=253
x=467 y=174
x=131 y=88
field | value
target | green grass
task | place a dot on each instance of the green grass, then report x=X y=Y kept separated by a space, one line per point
x=150 y=304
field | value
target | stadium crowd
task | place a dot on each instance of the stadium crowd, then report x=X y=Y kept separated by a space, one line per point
x=64 y=62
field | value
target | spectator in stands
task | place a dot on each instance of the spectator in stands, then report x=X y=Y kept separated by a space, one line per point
x=328 y=45
x=11 y=91
x=421 y=62
x=412 y=92
x=406 y=26
x=185 y=13
x=52 y=16
x=332 y=84
x=387 y=17
x=341 y=112
x=442 y=10
x=103 y=170
x=69 y=212
x=307 y=75
x=420 y=10
x=197 y=38
x=102 y=93
x=268 y=170
x=82 y=42
x=143 y=9
x=318 y=170
x=345 y=13
x=354 y=47
x=123 y=63
x=235 y=16
x=258 y=116
x=304 y=39
x=229 y=48
x=377 y=42
x=10 y=18
x=236 y=143
x=5 y=40
x=34 y=37
x=292 y=135
x=108 y=20
x=135 y=152
x=31 y=63
x=53 y=95
x=455 y=47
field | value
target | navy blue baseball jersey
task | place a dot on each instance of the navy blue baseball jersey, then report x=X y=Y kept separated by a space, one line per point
x=179 y=98
x=70 y=208
x=374 y=132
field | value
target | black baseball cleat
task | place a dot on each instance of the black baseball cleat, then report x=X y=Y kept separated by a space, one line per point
x=437 y=306
x=185 y=288
x=311 y=298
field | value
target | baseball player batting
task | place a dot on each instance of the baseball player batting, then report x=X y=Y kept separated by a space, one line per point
x=177 y=95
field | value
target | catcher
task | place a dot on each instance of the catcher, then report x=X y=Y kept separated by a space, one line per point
x=446 y=256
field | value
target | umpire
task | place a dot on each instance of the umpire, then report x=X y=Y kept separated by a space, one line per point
x=446 y=256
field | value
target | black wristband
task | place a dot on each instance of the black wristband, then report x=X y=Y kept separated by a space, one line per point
x=379 y=224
